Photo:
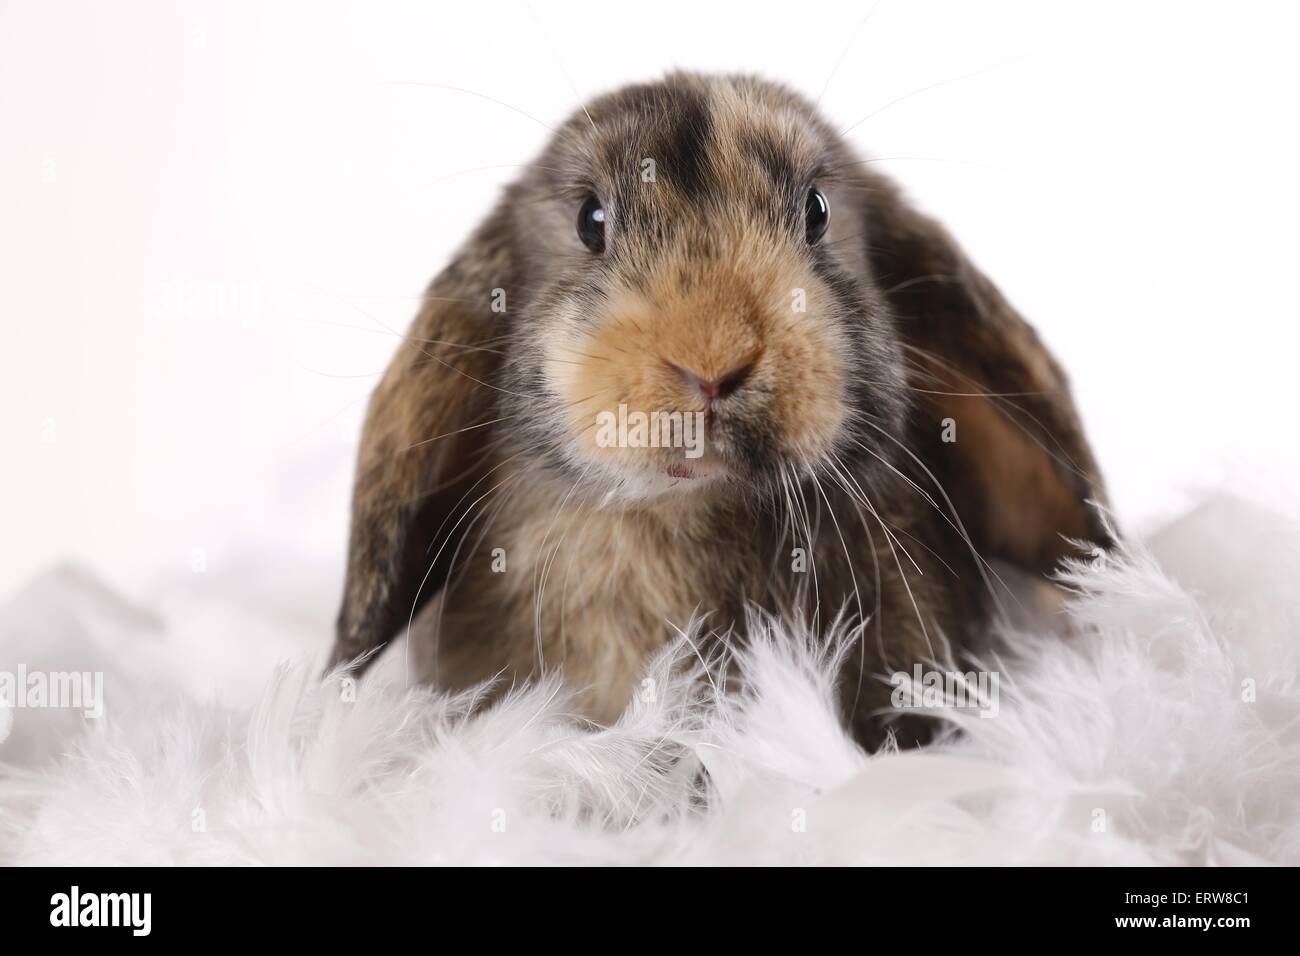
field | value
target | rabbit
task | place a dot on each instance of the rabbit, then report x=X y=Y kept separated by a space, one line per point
x=863 y=426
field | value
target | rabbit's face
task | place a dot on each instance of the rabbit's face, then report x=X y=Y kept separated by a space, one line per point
x=699 y=315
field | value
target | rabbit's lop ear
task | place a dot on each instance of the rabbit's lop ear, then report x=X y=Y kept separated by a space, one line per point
x=993 y=418
x=422 y=449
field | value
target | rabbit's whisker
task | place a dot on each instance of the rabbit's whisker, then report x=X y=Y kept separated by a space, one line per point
x=895 y=546
x=468 y=491
x=454 y=578
x=810 y=537
x=845 y=52
x=841 y=476
x=947 y=160
x=1002 y=403
x=415 y=602
x=538 y=585
x=836 y=242
x=982 y=565
x=458 y=431
x=482 y=169
x=411 y=342
x=475 y=93
x=560 y=63
x=363 y=328
x=848 y=558
x=932 y=86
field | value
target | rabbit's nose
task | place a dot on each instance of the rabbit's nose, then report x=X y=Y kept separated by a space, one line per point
x=714 y=387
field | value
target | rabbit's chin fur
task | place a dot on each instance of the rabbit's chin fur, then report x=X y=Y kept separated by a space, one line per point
x=1166 y=731
x=681 y=486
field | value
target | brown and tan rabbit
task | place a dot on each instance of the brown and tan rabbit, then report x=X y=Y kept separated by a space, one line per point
x=873 y=421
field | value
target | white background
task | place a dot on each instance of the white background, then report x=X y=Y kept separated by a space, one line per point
x=212 y=215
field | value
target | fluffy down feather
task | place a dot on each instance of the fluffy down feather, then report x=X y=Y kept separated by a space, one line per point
x=1164 y=729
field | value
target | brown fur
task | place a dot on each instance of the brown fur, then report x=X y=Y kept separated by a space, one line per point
x=481 y=440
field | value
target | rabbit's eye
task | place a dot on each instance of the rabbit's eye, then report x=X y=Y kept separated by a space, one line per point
x=818 y=215
x=591 y=224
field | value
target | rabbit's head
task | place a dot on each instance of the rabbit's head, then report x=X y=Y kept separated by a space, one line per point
x=699 y=314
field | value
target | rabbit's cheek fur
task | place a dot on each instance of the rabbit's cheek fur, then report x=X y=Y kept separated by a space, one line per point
x=756 y=309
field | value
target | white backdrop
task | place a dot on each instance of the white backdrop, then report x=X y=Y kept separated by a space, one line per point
x=209 y=212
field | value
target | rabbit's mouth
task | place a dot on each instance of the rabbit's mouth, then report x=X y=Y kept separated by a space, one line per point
x=699 y=466
x=684 y=476
x=692 y=475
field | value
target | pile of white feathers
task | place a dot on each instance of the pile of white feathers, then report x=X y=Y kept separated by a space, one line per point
x=1164 y=730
